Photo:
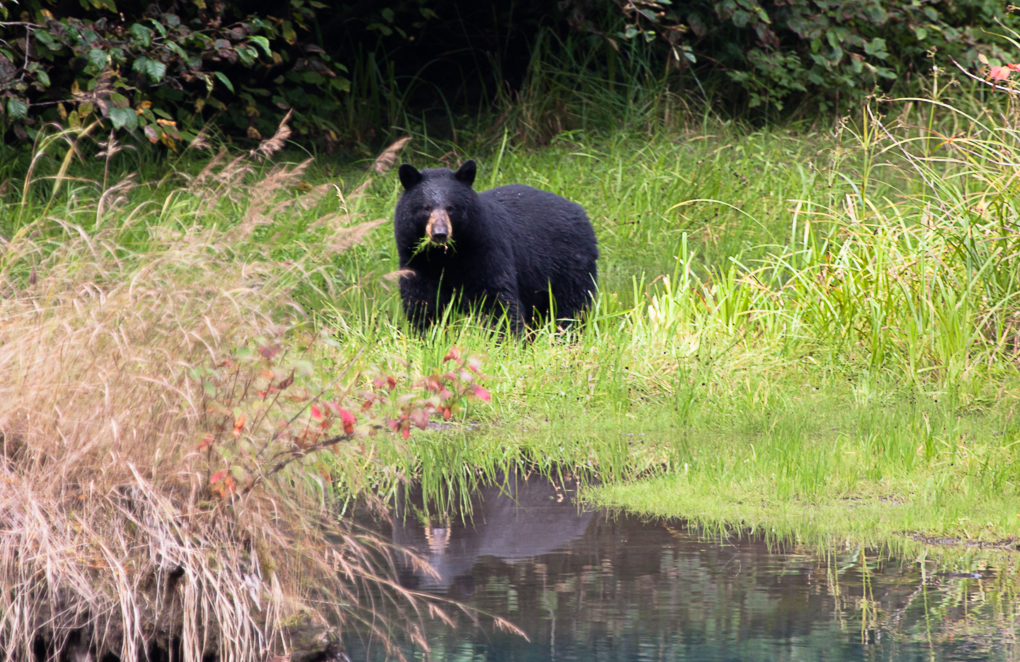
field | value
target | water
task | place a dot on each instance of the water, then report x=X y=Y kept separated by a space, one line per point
x=596 y=587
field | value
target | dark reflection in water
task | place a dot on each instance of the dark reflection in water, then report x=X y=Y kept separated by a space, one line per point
x=594 y=587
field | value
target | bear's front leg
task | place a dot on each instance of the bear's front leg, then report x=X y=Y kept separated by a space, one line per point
x=513 y=313
x=507 y=303
x=421 y=301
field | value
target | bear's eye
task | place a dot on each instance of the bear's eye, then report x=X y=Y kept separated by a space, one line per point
x=427 y=209
x=449 y=210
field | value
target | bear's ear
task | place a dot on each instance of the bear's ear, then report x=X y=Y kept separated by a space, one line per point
x=466 y=174
x=409 y=175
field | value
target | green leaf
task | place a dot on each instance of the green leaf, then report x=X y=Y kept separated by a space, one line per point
x=96 y=62
x=247 y=55
x=388 y=15
x=177 y=50
x=226 y=81
x=288 y=33
x=155 y=70
x=17 y=109
x=160 y=28
x=46 y=39
x=141 y=34
x=43 y=78
x=123 y=117
x=264 y=43
x=103 y=4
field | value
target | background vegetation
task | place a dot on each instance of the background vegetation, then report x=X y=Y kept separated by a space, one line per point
x=354 y=73
x=809 y=329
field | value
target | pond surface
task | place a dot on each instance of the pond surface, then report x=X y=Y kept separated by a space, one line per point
x=595 y=586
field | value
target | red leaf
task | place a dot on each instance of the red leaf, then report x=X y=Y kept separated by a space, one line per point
x=348 y=419
x=286 y=382
x=238 y=425
x=480 y=393
x=452 y=355
x=269 y=351
x=207 y=441
x=316 y=412
x=392 y=383
x=405 y=429
x=999 y=73
x=447 y=413
x=217 y=476
x=475 y=364
x=394 y=424
x=420 y=418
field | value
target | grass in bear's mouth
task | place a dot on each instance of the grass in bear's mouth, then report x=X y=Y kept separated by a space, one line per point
x=792 y=331
x=426 y=243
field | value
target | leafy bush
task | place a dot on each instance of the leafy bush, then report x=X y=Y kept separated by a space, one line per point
x=778 y=51
x=165 y=73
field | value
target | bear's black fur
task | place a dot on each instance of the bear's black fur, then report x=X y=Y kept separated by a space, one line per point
x=503 y=250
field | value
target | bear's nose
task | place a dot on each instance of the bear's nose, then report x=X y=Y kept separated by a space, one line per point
x=439 y=228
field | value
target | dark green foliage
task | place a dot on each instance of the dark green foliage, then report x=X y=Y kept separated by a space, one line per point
x=355 y=72
x=774 y=52
x=165 y=73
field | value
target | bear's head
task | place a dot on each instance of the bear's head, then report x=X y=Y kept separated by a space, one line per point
x=437 y=206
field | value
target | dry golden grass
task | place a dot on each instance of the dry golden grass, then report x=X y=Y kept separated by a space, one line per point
x=110 y=537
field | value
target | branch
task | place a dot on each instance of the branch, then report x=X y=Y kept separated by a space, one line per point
x=982 y=80
x=297 y=454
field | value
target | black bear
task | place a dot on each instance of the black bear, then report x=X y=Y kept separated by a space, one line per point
x=502 y=250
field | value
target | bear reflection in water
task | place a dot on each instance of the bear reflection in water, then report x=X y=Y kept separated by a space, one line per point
x=516 y=520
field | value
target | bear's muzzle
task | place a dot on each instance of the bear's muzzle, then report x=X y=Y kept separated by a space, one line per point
x=439 y=229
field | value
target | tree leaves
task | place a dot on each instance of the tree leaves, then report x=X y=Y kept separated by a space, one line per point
x=142 y=35
x=223 y=79
x=163 y=64
x=153 y=70
x=123 y=118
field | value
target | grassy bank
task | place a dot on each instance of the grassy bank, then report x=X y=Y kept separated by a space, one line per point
x=814 y=333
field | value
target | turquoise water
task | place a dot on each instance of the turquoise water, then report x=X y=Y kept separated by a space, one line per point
x=593 y=586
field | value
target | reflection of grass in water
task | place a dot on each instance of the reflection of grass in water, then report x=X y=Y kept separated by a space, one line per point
x=829 y=598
